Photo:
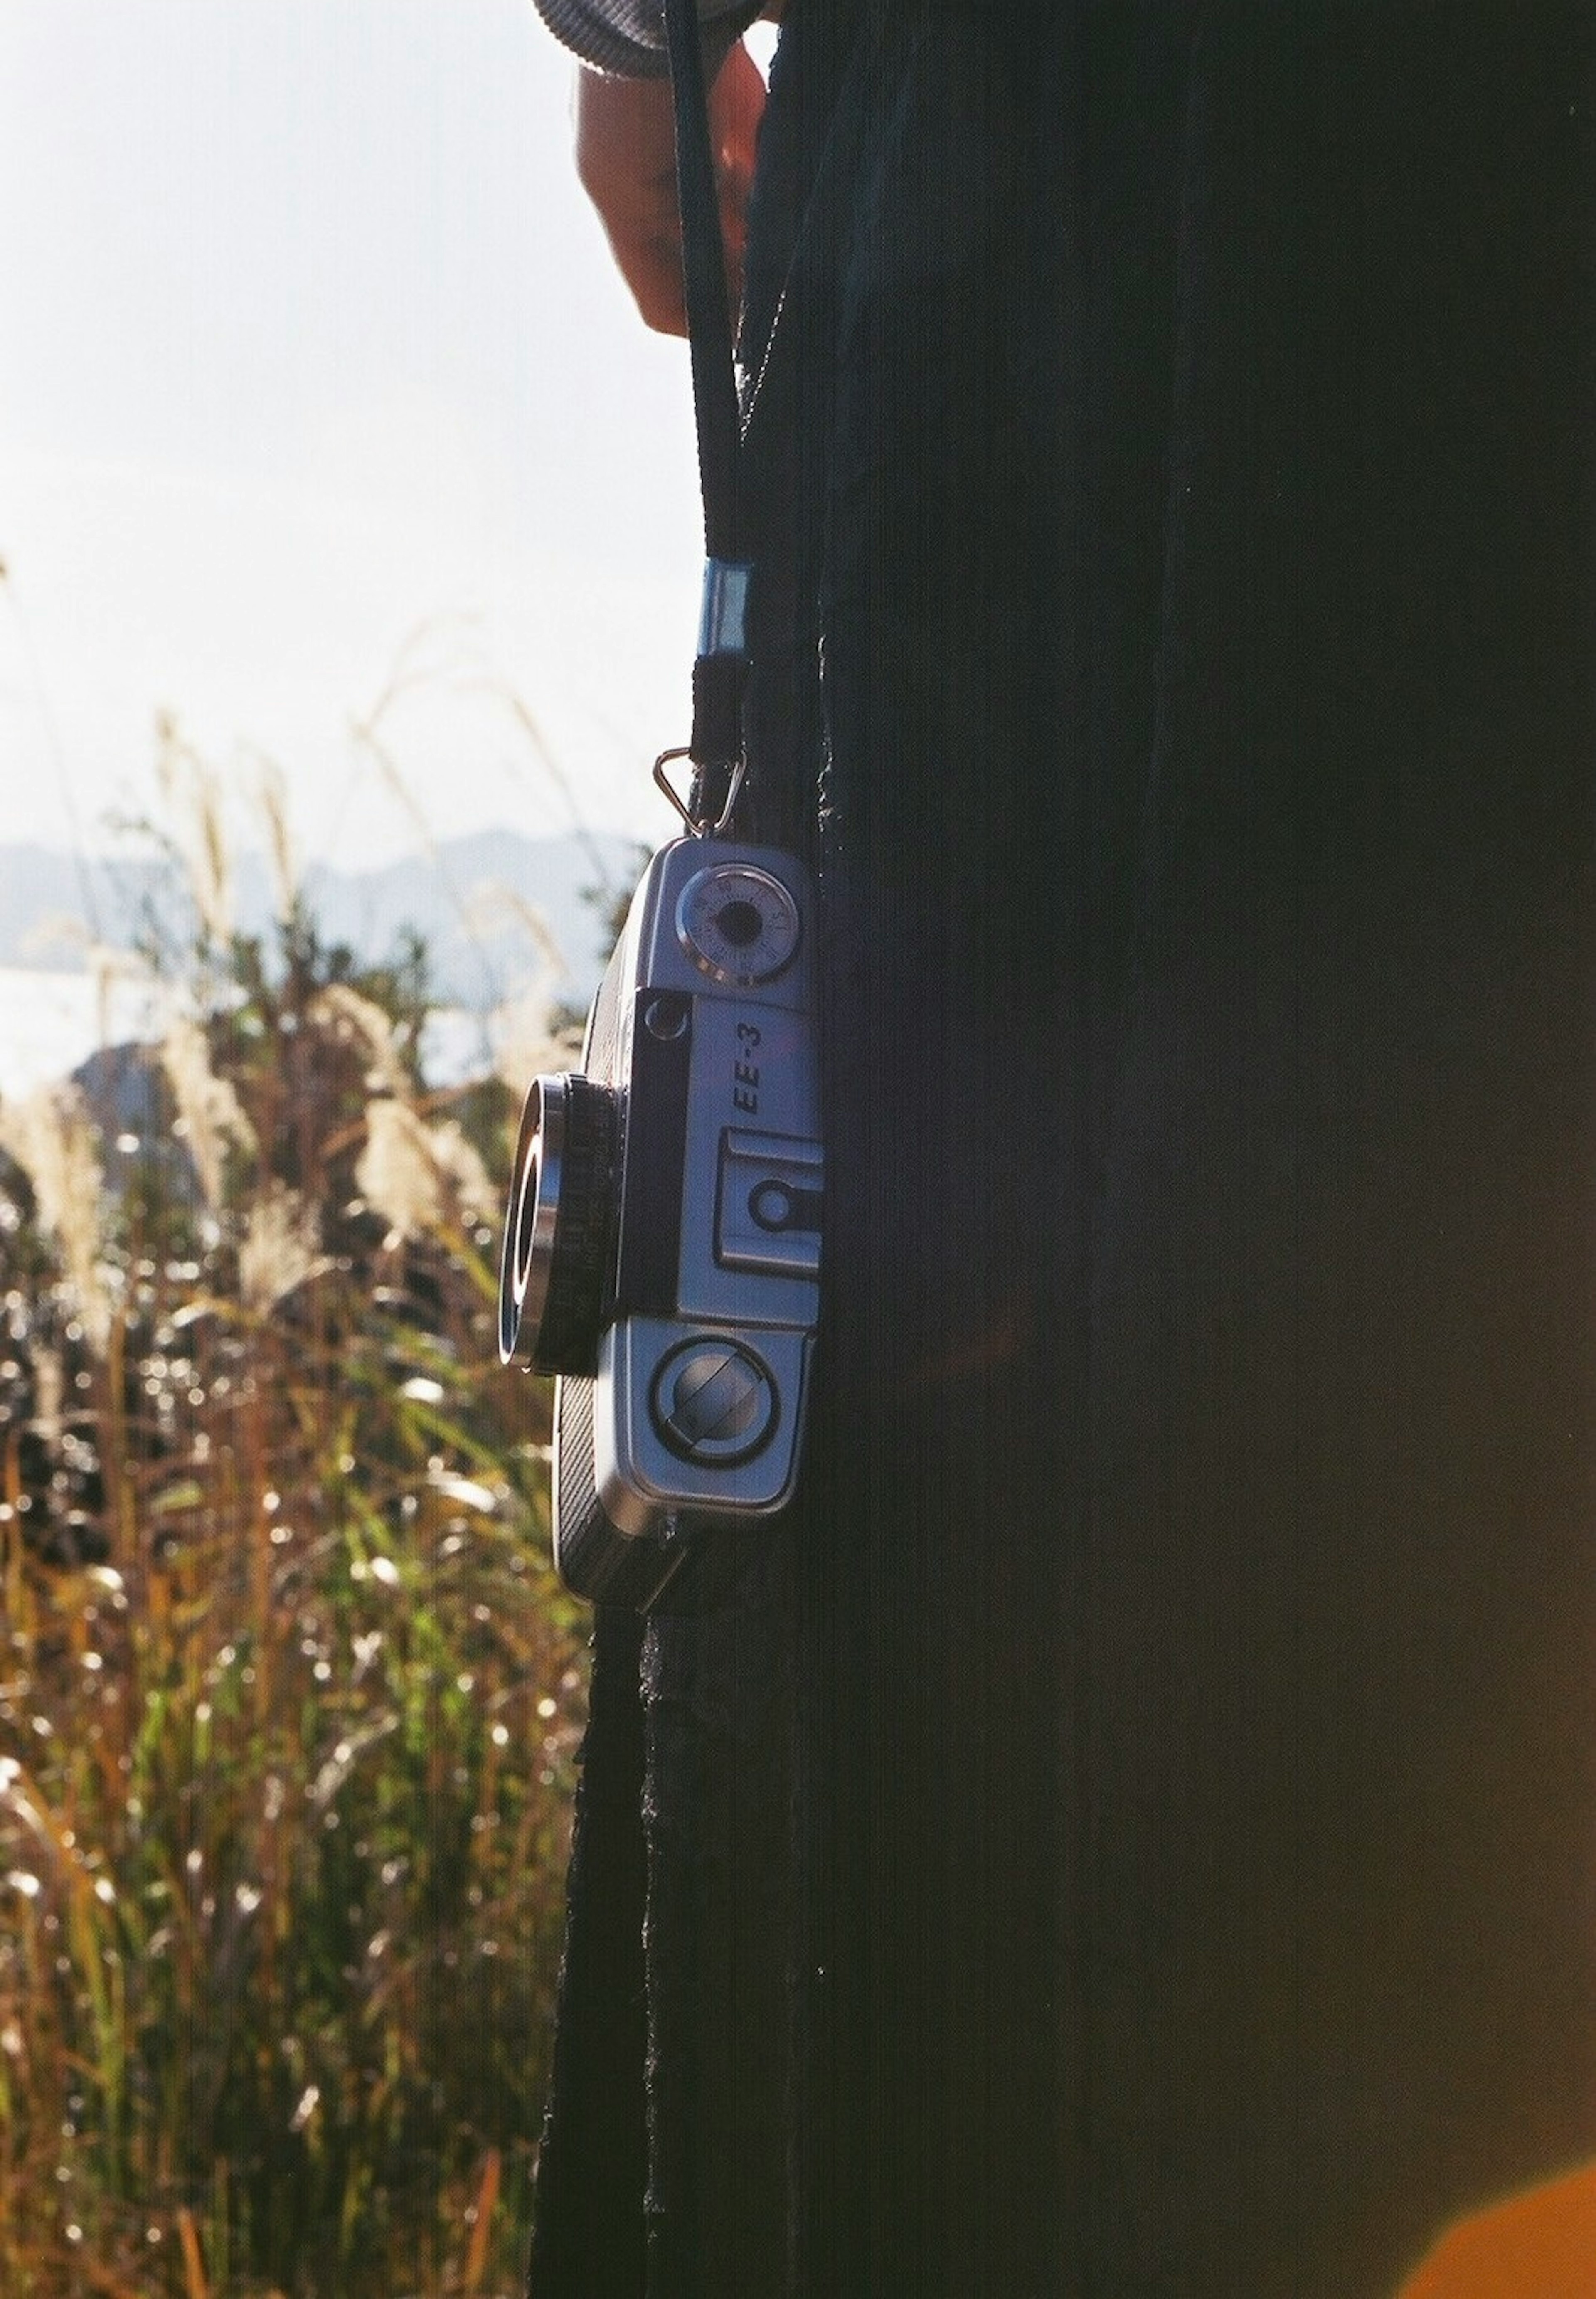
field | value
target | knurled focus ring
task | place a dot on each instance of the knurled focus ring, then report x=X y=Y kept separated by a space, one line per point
x=562 y=1210
x=567 y=1336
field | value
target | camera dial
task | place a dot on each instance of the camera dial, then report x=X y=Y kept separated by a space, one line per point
x=713 y=1401
x=737 y=924
x=557 y=1240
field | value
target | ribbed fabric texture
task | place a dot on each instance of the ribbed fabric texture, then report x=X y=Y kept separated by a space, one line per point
x=1135 y=1843
x=628 y=37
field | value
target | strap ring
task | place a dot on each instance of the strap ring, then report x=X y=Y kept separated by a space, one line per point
x=697 y=829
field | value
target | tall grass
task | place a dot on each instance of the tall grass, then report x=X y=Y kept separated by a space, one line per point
x=288 y=1699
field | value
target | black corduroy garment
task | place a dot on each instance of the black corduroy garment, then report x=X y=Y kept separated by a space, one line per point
x=1137 y=1839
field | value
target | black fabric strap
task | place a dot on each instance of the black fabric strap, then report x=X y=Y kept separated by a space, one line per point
x=593 y=2182
x=589 y=2231
x=703 y=279
x=720 y=670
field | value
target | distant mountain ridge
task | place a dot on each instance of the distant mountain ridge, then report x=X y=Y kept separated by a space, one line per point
x=492 y=908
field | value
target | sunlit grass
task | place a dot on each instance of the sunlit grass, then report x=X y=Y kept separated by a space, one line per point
x=289 y=1698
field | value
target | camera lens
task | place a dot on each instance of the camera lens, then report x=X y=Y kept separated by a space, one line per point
x=561 y=1222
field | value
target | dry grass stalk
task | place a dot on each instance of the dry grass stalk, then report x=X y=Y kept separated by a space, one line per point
x=524 y=1041
x=417 y=666
x=349 y=1016
x=414 y=1174
x=210 y=1114
x=108 y=967
x=193 y=791
x=272 y=798
x=364 y=732
x=49 y=1392
x=51 y=1138
x=56 y=931
x=492 y=902
x=194 y=2265
x=487 y=2197
x=279 y=1250
x=397 y=1174
x=521 y=1034
x=459 y=1162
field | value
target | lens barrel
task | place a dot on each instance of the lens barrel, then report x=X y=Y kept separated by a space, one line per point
x=559 y=1234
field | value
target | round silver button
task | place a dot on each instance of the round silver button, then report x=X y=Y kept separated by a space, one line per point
x=713 y=1401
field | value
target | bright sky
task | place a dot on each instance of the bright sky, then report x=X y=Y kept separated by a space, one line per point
x=312 y=365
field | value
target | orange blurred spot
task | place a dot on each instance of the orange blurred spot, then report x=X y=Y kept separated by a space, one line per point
x=1537 y=2245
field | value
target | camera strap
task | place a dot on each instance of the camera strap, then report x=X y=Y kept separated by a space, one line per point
x=593 y=2228
x=721 y=671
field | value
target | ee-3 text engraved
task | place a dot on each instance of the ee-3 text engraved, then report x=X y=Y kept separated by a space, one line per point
x=745 y=1071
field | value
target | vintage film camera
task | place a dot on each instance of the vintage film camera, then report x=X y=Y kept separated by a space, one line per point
x=662 y=1246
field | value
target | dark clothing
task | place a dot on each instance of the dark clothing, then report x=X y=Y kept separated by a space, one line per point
x=1135 y=1841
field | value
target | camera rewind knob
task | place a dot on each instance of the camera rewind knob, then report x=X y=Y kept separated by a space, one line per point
x=737 y=924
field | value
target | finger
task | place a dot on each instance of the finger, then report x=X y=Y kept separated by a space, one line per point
x=737 y=104
x=652 y=267
x=626 y=163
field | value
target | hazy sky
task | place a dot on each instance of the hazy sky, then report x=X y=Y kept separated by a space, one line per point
x=312 y=365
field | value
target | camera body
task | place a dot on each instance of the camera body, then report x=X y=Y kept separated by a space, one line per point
x=663 y=1246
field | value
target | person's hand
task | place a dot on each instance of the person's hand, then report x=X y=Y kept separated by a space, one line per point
x=626 y=158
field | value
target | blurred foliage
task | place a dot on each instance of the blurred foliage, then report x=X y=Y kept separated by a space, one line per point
x=290 y=1699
